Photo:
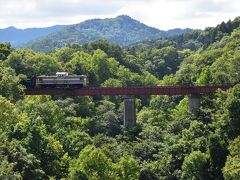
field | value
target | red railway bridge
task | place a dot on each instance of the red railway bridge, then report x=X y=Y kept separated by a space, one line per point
x=193 y=92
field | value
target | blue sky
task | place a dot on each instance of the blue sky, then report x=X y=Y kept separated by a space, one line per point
x=162 y=14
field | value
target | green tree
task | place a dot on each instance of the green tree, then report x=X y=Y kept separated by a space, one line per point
x=111 y=50
x=9 y=115
x=226 y=118
x=217 y=148
x=92 y=164
x=231 y=169
x=80 y=63
x=107 y=120
x=64 y=54
x=6 y=170
x=5 y=50
x=195 y=166
x=31 y=64
x=128 y=168
x=100 y=66
x=9 y=83
x=18 y=60
x=45 y=147
x=109 y=146
x=43 y=64
x=205 y=77
x=166 y=61
x=128 y=78
x=75 y=141
x=14 y=157
x=45 y=108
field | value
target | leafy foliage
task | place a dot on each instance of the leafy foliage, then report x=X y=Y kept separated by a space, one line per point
x=47 y=137
x=9 y=83
x=231 y=169
x=5 y=50
x=195 y=166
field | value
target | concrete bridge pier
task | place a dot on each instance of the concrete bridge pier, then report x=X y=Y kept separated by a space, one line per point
x=129 y=111
x=193 y=103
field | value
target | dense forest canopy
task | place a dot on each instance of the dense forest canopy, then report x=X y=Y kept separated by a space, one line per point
x=49 y=137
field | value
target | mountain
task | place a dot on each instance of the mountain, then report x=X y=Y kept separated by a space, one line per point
x=122 y=30
x=18 y=37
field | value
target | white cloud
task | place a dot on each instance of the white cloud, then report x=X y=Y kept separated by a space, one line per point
x=163 y=14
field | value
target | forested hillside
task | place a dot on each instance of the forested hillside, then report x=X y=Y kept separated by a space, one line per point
x=122 y=30
x=194 y=39
x=52 y=137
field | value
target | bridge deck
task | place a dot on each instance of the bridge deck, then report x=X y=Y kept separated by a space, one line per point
x=113 y=91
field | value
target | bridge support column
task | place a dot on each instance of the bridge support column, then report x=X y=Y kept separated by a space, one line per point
x=193 y=103
x=129 y=111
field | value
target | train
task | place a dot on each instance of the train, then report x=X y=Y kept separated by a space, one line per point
x=60 y=80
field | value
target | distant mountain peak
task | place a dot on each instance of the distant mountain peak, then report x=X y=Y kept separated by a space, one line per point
x=127 y=19
x=11 y=28
x=124 y=17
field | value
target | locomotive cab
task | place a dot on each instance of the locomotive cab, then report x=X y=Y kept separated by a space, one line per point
x=61 y=74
